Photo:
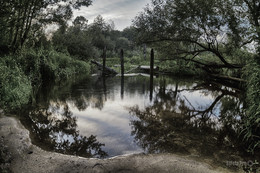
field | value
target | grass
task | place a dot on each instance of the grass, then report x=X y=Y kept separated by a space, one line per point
x=251 y=126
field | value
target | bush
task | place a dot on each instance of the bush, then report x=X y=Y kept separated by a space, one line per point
x=19 y=73
x=15 y=86
x=60 y=66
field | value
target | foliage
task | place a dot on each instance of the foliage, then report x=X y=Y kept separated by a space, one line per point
x=19 y=73
x=20 y=19
x=187 y=29
x=87 y=42
x=251 y=126
x=15 y=86
x=45 y=125
x=74 y=41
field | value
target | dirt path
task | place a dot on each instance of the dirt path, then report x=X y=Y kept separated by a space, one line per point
x=28 y=158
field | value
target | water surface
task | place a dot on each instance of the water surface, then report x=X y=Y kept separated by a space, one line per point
x=105 y=117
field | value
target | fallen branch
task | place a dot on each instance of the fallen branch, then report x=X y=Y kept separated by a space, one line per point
x=107 y=71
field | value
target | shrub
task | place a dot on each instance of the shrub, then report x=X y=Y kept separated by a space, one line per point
x=60 y=66
x=15 y=86
x=19 y=73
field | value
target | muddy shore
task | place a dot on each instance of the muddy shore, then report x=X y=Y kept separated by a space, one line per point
x=24 y=157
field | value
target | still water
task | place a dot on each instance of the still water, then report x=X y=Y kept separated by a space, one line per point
x=106 y=117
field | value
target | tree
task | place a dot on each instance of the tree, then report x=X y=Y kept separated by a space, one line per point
x=191 y=28
x=75 y=40
x=100 y=31
x=129 y=33
x=81 y=22
x=251 y=9
x=20 y=16
x=222 y=28
x=122 y=43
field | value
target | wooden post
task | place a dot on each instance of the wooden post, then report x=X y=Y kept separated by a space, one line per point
x=122 y=62
x=151 y=74
x=122 y=72
x=104 y=61
x=152 y=63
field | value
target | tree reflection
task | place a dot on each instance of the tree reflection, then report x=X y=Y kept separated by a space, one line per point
x=53 y=125
x=54 y=128
x=172 y=124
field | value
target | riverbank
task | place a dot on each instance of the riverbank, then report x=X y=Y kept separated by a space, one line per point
x=26 y=157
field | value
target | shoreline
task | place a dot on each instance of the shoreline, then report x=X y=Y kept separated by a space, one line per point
x=28 y=158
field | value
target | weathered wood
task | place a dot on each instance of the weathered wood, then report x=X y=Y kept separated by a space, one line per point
x=152 y=63
x=151 y=74
x=132 y=70
x=106 y=70
x=122 y=62
x=144 y=67
x=138 y=74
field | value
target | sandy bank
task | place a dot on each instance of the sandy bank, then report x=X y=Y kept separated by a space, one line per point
x=28 y=158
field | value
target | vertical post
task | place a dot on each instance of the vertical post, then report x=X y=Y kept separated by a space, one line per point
x=122 y=72
x=104 y=61
x=122 y=62
x=152 y=63
x=151 y=74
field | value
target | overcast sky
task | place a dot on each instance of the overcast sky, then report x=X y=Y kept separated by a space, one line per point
x=122 y=12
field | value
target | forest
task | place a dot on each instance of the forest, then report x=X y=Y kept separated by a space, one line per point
x=217 y=40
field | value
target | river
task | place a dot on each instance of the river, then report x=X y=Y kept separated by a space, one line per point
x=100 y=117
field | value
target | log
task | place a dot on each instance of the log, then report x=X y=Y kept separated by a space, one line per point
x=144 y=67
x=106 y=70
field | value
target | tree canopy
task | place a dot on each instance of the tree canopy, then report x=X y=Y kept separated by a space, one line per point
x=20 y=17
x=190 y=28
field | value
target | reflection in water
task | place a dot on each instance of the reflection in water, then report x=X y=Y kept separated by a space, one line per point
x=54 y=128
x=151 y=87
x=136 y=114
x=176 y=123
x=122 y=87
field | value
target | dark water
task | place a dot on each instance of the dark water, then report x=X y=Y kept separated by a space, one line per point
x=105 y=117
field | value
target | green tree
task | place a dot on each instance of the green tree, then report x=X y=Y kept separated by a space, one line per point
x=100 y=31
x=191 y=28
x=122 y=43
x=81 y=22
x=19 y=17
x=75 y=40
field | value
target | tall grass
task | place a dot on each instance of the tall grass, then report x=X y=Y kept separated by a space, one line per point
x=251 y=126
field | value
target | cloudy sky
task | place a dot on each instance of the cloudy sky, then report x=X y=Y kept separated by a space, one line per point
x=122 y=12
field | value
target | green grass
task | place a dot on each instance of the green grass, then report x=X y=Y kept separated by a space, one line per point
x=251 y=125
